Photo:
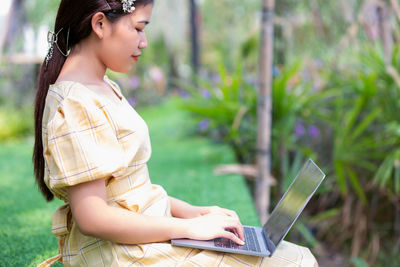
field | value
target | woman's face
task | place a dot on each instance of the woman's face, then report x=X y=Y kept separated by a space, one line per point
x=122 y=45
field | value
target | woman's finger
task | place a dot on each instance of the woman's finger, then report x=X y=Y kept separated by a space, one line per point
x=238 y=231
x=233 y=237
x=236 y=228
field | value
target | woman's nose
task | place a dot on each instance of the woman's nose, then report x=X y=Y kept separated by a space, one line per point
x=143 y=42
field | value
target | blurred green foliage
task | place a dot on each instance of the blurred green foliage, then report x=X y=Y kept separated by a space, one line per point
x=41 y=12
x=15 y=123
x=229 y=107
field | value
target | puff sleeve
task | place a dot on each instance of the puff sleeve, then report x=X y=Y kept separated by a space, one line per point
x=82 y=145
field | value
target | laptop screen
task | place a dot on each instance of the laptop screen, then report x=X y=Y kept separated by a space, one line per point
x=293 y=202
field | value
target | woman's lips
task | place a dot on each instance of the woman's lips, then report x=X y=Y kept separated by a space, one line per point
x=136 y=58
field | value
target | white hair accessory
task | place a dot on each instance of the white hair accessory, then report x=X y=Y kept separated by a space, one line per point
x=128 y=5
x=52 y=39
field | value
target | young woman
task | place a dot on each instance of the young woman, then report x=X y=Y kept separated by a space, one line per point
x=91 y=150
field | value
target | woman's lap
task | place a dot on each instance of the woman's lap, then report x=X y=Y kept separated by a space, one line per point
x=164 y=254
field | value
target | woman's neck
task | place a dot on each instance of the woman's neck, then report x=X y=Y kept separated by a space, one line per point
x=83 y=65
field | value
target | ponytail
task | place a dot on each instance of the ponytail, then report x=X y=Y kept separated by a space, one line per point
x=48 y=75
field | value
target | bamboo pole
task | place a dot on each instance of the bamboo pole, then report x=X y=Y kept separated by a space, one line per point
x=396 y=8
x=16 y=20
x=194 y=26
x=6 y=27
x=264 y=110
x=386 y=30
x=316 y=13
x=347 y=11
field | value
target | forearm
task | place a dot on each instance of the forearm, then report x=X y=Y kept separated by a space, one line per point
x=182 y=209
x=95 y=217
x=123 y=226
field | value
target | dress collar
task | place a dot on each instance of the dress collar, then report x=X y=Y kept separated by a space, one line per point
x=114 y=87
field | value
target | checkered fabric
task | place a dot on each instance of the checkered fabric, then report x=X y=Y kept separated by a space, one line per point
x=88 y=137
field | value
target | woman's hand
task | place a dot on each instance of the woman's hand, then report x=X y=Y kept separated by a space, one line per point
x=205 y=223
x=216 y=224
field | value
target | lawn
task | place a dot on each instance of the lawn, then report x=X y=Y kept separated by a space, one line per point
x=182 y=164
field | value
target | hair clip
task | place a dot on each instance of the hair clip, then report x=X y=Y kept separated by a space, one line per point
x=109 y=7
x=52 y=38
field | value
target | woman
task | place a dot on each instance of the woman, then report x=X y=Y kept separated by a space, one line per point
x=91 y=150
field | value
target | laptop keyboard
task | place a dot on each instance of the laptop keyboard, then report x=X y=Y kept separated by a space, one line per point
x=251 y=242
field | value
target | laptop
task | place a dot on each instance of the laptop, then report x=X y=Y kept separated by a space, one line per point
x=263 y=241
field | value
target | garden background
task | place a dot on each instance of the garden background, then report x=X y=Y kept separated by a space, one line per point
x=335 y=99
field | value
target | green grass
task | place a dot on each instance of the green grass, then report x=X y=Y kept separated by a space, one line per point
x=183 y=165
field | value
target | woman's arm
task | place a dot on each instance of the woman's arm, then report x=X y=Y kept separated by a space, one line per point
x=182 y=209
x=95 y=218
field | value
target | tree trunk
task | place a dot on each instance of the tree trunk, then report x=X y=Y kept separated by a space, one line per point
x=348 y=10
x=385 y=29
x=194 y=26
x=396 y=8
x=317 y=17
x=14 y=26
x=263 y=183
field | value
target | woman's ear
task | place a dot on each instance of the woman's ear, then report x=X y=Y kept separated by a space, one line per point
x=99 y=20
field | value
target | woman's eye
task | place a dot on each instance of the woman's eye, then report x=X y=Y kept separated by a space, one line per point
x=139 y=30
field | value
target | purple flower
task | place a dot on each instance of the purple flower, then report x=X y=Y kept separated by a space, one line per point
x=250 y=80
x=134 y=82
x=131 y=101
x=205 y=93
x=183 y=93
x=156 y=74
x=313 y=131
x=204 y=124
x=318 y=63
x=299 y=129
x=215 y=78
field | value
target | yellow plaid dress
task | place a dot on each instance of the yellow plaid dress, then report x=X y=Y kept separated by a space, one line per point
x=87 y=137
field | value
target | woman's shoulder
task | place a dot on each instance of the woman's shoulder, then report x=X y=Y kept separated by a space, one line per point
x=67 y=91
x=72 y=105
